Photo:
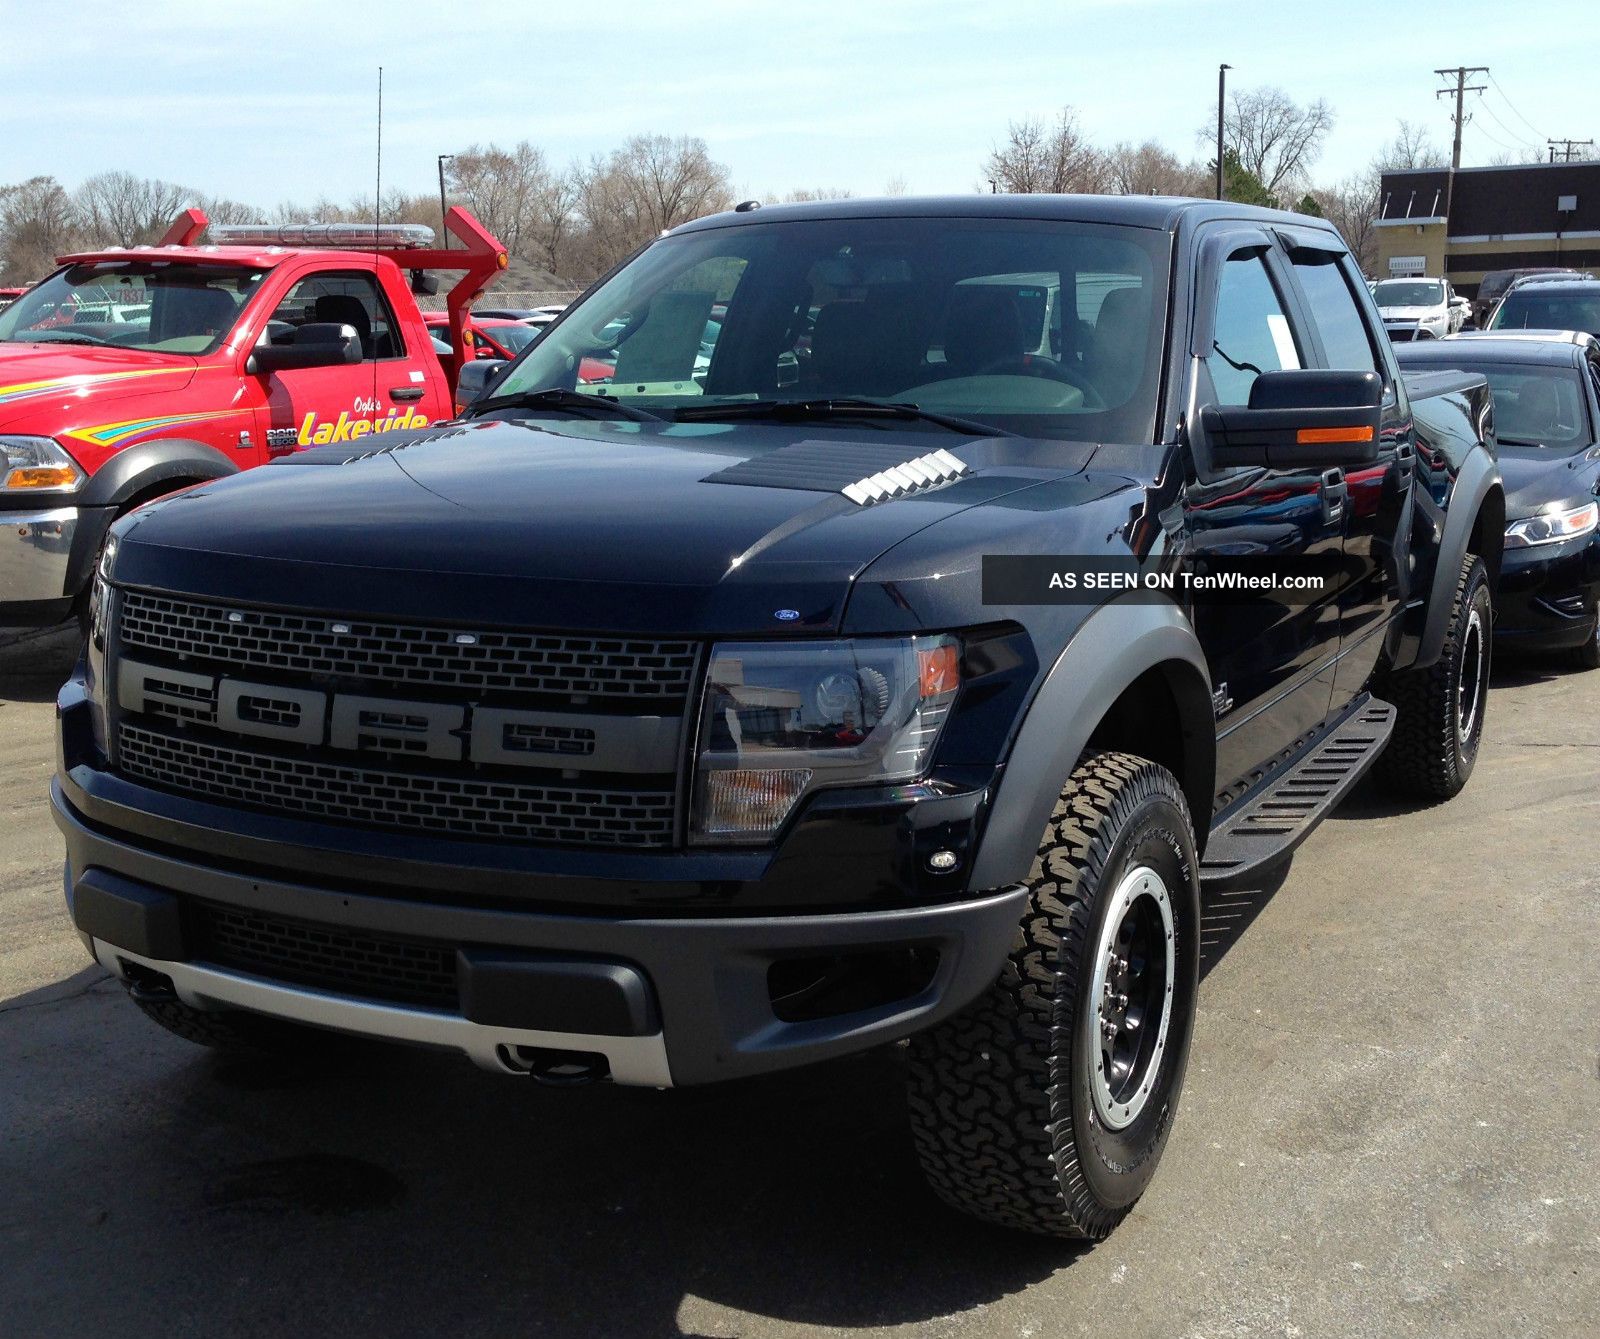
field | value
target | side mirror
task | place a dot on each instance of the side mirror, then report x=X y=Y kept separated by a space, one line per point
x=423 y=284
x=1297 y=419
x=474 y=378
x=318 y=344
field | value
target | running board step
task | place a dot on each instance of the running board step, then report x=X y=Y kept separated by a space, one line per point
x=1268 y=825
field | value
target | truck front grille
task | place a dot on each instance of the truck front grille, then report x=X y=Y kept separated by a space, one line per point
x=476 y=659
x=325 y=957
x=443 y=805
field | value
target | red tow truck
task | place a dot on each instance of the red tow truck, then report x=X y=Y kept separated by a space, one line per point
x=130 y=373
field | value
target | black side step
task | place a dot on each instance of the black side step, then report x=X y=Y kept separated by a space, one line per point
x=1268 y=825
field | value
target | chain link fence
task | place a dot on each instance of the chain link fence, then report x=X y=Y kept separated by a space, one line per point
x=509 y=297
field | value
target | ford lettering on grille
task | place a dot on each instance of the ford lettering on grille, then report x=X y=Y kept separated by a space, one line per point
x=447 y=732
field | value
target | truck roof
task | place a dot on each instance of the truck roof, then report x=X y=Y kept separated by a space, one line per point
x=1161 y=212
x=249 y=257
x=1554 y=349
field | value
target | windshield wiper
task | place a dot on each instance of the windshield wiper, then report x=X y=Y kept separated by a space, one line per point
x=561 y=398
x=847 y=407
x=38 y=338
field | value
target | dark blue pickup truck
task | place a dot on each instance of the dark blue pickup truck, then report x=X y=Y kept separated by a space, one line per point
x=903 y=665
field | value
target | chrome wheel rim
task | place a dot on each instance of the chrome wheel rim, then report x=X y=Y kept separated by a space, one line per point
x=1470 y=693
x=1135 y=966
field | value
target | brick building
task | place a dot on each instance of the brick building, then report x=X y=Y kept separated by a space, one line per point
x=1478 y=219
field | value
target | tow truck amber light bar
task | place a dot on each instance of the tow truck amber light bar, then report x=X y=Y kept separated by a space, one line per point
x=346 y=236
x=1319 y=436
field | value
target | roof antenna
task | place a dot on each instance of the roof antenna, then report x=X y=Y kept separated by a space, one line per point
x=377 y=224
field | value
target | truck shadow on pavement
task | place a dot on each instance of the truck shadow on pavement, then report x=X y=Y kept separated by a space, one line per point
x=34 y=665
x=384 y=1186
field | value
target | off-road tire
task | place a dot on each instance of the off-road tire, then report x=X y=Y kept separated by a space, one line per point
x=231 y=1030
x=1430 y=755
x=1001 y=1100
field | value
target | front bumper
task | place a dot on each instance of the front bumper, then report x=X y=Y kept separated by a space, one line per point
x=1548 y=595
x=703 y=1009
x=35 y=555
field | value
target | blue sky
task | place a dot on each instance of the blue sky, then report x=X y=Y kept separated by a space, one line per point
x=275 y=99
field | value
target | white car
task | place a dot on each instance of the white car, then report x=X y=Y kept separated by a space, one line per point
x=1418 y=308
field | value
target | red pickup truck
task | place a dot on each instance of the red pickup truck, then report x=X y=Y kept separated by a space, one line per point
x=133 y=372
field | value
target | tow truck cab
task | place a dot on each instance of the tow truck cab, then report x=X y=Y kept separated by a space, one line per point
x=130 y=373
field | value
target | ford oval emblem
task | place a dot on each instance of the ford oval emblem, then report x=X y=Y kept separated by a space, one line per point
x=786 y=615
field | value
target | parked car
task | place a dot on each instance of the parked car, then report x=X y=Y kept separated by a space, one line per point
x=1461 y=313
x=1552 y=304
x=1495 y=284
x=1417 y=308
x=493 y=336
x=504 y=313
x=134 y=372
x=1546 y=388
x=10 y=295
x=682 y=729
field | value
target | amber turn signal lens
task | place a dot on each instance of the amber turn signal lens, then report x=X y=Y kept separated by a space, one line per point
x=42 y=476
x=939 y=670
x=1312 y=436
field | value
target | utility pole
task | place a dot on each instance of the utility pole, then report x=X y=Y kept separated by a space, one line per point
x=1222 y=88
x=1460 y=74
x=1569 y=148
x=444 y=231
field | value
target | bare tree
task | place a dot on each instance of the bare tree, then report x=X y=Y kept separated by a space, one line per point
x=1410 y=148
x=1150 y=169
x=807 y=194
x=1050 y=158
x=120 y=209
x=37 y=223
x=551 y=216
x=1275 y=138
x=896 y=185
x=501 y=187
x=652 y=183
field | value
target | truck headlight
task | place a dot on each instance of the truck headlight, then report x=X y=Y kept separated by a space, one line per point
x=36 y=465
x=1552 y=525
x=782 y=719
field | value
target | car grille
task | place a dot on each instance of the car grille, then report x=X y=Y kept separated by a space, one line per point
x=466 y=658
x=405 y=801
x=331 y=958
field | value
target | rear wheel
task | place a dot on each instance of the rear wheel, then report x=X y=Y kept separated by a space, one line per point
x=1440 y=723
x=1587 y=656
x=1046 y=1105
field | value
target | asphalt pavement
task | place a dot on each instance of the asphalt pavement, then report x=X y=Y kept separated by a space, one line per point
x=1389 y=1128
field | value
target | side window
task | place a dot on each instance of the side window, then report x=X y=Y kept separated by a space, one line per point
x=352 y=299
x=1253 y=334
x=1334 y=312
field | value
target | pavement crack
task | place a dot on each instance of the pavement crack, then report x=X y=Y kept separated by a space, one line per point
x=59 y=999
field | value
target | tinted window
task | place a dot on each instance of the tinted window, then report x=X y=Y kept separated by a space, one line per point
x=1538 y=308
x=1409 y=293
x=1334 y=313
x=1538 y=406
x=954 y=315
x=1252 y=331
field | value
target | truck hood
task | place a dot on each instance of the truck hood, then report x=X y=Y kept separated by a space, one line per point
x=573 y=525
x=47 y=387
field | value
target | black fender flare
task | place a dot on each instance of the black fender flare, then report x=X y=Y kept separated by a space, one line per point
x=132 y=471
x=1112 y=648
x=1477 y=480
x=136 y=469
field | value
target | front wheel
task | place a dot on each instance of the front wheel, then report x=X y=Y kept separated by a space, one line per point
x=1046 y=1105
x=1439 y=725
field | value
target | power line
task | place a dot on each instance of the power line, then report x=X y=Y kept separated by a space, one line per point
x=1569 y=149
x=1500 y=144
x=1538 y=134
x=1526 y=143
x=1461 y=73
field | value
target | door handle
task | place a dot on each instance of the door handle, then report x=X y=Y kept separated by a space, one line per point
x=1335 y=494
x=403 y=393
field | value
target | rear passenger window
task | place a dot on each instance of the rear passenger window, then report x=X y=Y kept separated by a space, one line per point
x=1334 y=312
x=1253 y=334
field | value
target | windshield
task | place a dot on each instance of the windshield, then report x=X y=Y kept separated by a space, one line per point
x=1409 y=293
x=1538 y=406
x=1046 y=329
x=159 y=306
x=1537 y=307
x=513 y=338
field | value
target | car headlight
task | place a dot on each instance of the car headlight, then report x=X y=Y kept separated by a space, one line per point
x=782 y=719
x=1552 y=525
x=36 y=465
